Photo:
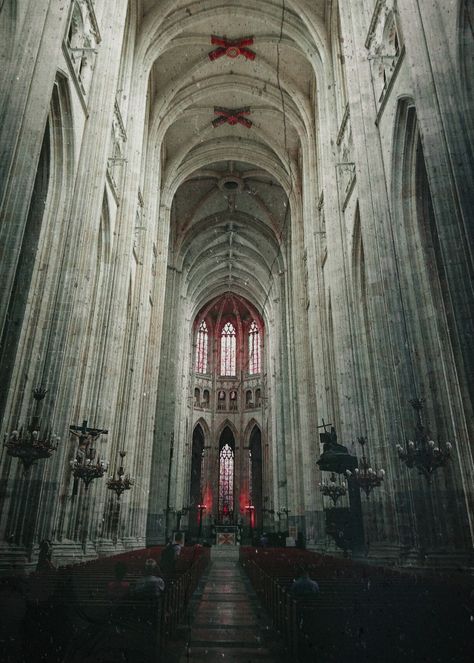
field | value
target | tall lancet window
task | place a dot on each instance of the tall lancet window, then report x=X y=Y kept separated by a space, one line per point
x=254 y=349
x=228 y=347
x=226 y=481
x=202 y=348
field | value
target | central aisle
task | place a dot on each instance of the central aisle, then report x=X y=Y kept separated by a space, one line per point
x=228 y=623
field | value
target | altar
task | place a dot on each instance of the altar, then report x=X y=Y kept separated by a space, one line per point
x=226 y=535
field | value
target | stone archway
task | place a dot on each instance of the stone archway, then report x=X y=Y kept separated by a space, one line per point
x=256 y=476
x=195 y=488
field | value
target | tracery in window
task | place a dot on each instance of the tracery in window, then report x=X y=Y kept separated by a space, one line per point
x=254 y=349
x=226 y=481
x=202 y=342
x=228 y=350
x=250 y=476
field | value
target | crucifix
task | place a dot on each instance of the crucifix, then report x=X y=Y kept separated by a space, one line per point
x=179 y=514
x=85 y=454
x=83 y=432
x=324 y=425
x=85 y=437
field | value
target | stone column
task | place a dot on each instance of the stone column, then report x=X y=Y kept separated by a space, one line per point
x=27 y=82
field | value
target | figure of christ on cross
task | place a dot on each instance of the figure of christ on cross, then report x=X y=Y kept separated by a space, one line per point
x=85 y=437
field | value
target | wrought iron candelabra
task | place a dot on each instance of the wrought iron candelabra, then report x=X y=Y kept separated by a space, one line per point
x=31 y=445
x=120 y=482
x=423 y=452
x=332 y=489
x=365 y=476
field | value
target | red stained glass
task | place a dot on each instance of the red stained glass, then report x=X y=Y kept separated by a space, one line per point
x=226 y=481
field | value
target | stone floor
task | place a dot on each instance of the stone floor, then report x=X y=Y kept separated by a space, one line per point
x=227 y=622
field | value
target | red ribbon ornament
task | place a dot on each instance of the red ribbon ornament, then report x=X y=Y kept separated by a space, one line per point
x=231 y=47
x=231 y=116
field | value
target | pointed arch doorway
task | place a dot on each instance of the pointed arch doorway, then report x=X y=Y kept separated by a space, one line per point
x=256 y=476
x=196 y=487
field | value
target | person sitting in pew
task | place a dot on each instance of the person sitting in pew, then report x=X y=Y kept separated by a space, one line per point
x=304 y=586
x=118 y=588
x=151 y=585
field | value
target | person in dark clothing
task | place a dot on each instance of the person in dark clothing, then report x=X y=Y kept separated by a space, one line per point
x=151 y=585
x=168 y=558
x=119 y=588
x=44 y=557
x=304 y=586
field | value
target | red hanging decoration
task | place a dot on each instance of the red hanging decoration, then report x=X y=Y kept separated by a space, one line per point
x=231 y=47
x=231 y=116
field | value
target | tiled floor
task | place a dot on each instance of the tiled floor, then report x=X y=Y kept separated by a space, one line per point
x=227 y=622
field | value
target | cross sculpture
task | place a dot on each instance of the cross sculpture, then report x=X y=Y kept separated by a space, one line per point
x=231 y=116
x=85 y=437
x=231 y=47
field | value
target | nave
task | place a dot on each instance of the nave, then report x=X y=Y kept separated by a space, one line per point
x=236 y=604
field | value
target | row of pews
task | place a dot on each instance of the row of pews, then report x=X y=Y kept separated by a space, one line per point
x=67 y=615
x=363 y=613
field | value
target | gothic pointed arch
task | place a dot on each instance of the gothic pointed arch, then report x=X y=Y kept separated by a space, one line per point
x=249 y=428
x=204 y=426
x=255 y=474
x=230 y=425
x=46 y=228
x=196 y=487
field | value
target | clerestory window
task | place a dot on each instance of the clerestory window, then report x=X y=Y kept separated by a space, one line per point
x=202 y=343
x=254 y=349
x=228 y=350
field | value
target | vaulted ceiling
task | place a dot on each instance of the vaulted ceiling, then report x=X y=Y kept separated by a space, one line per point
x=231 y=184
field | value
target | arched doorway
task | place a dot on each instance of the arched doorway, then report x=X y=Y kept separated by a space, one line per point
x=195 y=492
x=226 y=477
x=255 y=475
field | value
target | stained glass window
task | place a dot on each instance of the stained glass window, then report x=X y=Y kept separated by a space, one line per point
x=250 y=476
x=202 y=348
x=254 y=349
x=226 y=481
x=228 y=346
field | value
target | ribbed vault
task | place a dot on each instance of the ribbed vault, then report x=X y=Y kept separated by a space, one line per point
x=228 y=223
x=232 y=240
x=279 y=85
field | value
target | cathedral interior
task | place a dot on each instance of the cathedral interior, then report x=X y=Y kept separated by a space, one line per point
x=236 y=267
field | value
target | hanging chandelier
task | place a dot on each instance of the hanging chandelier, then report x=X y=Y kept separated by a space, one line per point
x=31 y=445
x=85 y=466
x=332 y=489
x=120 y=482
x=365 y=476
x=423 y=452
